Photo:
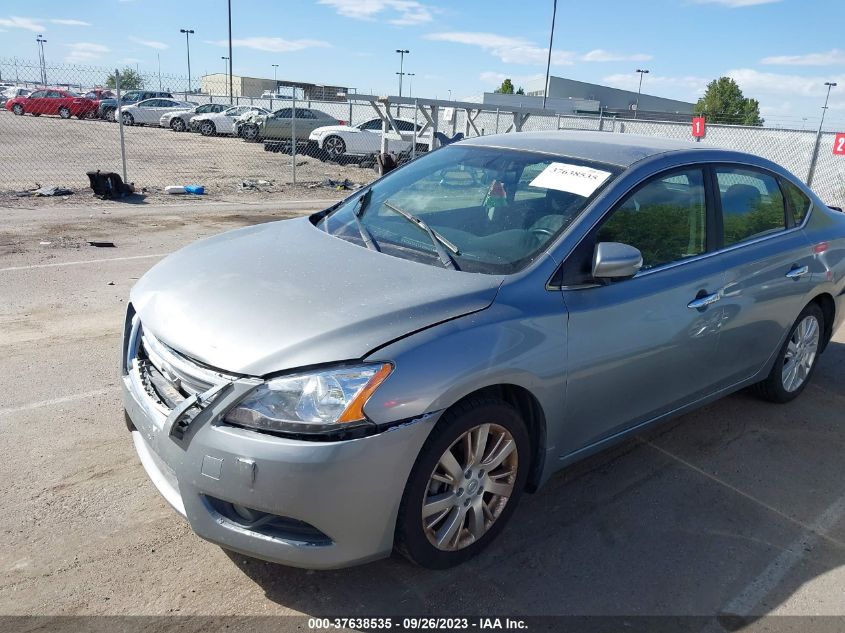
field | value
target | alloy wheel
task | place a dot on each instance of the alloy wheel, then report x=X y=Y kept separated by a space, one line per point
x=334 y=147
x=800 y=353
x=469 y=487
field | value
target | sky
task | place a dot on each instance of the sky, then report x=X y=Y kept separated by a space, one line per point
x=780 y=52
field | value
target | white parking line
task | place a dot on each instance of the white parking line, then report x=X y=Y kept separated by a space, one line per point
x=757 y=590
x=55 y=401
x=79 y=263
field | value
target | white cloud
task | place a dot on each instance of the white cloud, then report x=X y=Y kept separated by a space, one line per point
x=150 y=43
x=271 y=44
x=516 y=50
x=405 y=12
x=601 y=55
x=70 y=22
x=129 y=60
x=736 y=4
x=833 y=57
x=84 y=52
x=753 y=83
x=30 y=24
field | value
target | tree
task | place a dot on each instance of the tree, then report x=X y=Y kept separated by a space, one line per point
x=129 y=80
x=520 y=91
x=506 y=88
x=723 y=102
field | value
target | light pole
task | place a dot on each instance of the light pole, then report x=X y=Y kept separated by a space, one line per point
x=41 y=41
x=549 y=59
x=188 y=33
x=401 y=66
x=812 y=170
x=639 y=91
x=450 y=94
x=230 y=53
x=226 y=71
x=411 y=84
x=275 y=68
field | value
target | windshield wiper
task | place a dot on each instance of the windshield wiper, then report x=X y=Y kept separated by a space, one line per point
x=363 y=201
x=436 y=238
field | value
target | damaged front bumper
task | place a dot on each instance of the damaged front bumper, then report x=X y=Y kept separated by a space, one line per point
x=313 y=504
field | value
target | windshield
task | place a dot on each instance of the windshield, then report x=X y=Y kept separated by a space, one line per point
x=493 y=210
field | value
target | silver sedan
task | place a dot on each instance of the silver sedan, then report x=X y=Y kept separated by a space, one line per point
x=394 y=372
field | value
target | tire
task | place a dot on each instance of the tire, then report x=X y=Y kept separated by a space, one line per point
x=334 y=147
x=128 y=119
x=451 y=534
x=207 y=128
x=177 y=124
x=64 y=112
x=109 y=115
x=249 y=132
x=17 y=109
x=797 y=359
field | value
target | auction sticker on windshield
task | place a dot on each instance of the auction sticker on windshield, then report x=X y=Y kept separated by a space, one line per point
x=576 y=179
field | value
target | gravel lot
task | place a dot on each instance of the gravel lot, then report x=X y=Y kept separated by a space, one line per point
x=50 y=150
x=736 y=508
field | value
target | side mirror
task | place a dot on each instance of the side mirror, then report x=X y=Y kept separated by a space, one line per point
x=614 y=260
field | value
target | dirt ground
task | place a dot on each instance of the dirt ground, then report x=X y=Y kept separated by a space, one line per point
x=52 y=151
x=734 y=509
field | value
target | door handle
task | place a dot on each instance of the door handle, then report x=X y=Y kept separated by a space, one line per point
x=702 y=302
x=797 y=273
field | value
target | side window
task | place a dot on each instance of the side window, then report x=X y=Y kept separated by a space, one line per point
x=374 y=124
x=204 y=108
x=405 y=126
x=752 y=204
x=665 y=219
x=38 y=94
x=799 y=203
x=303 y=113
x=284 y=113
x=54 y=94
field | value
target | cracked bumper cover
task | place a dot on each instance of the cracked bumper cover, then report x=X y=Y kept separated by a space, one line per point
x=349 y=490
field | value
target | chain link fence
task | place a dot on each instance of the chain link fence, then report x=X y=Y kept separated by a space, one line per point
x=173 y=134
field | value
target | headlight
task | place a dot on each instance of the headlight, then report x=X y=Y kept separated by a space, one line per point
x=311 y=403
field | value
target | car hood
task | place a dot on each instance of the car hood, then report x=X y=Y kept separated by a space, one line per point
x=286 y=294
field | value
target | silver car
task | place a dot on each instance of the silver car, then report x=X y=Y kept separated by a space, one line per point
x=393 y=372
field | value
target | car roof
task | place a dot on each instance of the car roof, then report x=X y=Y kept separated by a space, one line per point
x=604 y=147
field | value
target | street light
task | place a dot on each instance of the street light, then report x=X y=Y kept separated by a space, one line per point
x=639 y=91
x=275 y=68
x=549 y=59
x=188 y=33
x=450 y=95
x=812 y=170
x=41 y=41
x=401 y=66
x=225 y=71
x=411 y=85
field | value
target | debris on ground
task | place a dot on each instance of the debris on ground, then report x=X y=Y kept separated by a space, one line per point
x=101 y=244
x=255 y=185
x=174 y=189
x=47 y=191
x=43 y=243
x=197 y=190
x=338 y=185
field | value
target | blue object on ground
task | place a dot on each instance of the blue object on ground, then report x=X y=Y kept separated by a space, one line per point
x=195 y=189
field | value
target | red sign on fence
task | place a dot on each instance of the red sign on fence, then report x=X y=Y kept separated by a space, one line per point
x=839 y=143
x=698 y=126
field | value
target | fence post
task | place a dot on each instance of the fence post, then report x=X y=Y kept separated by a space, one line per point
x=120 y=123
x=814 y=158
x=497 y=120
x=349 y=122
x=414 y=146
x=293 y=134
x=558 y=121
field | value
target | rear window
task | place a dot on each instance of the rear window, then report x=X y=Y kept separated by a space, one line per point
x=799 y=203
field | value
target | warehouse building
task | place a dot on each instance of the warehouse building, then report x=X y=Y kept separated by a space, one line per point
x=218 y=84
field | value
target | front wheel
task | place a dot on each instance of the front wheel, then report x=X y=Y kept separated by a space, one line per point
x=796 y=359
x=334 y=147
x=249 y=132
x=207 y=128
x=465 y=484
x=128 y=119
x=17 y=109
x=177 y=124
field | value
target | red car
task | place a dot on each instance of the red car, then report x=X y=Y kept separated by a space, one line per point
x=96 y=94
x=53 y=101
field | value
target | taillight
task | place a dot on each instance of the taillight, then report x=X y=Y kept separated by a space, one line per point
x=341 y=122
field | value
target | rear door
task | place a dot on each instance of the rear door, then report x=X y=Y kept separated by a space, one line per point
x=640 y=348
x=767 y=260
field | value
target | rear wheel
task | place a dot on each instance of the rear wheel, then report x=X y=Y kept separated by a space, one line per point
x=207 y=128
x=17 y=109
x=177 y=124
x=465 y=483
x=796 y=359
x=64 y=112
x=250 y=132
x=110 y=114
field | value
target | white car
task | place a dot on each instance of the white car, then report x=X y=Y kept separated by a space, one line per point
x=334 y=141
x=179 y=120
x=222 y=122
x=150 y=111
x=10 y=92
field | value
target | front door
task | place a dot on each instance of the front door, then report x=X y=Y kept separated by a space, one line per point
x=642 y=347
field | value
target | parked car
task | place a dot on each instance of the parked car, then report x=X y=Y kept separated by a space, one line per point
x=98 y=94
x=64 y=103
x=107 y=107
x=278 y=126
x=497 y=310
x=210 y=124
x=179 y=120
x=335 y=141
x=150 y=111
x=10 y=92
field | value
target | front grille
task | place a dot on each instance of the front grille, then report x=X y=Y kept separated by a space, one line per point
x=168 y=376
